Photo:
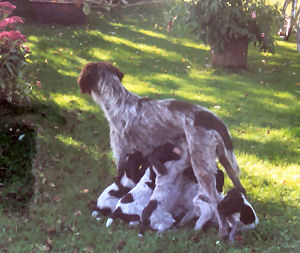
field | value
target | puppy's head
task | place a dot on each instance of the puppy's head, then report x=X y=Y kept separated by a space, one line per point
x=93 y=72
x=166 y=152
x=235 y=202
x=131 y=167
x=162 y=154
x=231 y=203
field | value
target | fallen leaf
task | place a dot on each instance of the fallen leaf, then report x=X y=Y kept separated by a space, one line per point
x=77 y=213
x=121 y=245
x=240 y=239
x=38 y=83
x=195 y=239
x=85 y=191
x=297 y=84
x=43 y=247
x=51 y=231
x=88 y=249
x=56 y=198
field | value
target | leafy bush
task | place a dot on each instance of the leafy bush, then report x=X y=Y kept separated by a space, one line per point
x=216 y=22
x=13 y=54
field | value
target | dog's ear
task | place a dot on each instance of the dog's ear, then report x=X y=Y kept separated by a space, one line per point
x=112 y=69
x=160 y=167
x=247 y=215
x=88 y=78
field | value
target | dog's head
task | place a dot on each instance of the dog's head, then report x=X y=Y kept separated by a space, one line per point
x=93 y=72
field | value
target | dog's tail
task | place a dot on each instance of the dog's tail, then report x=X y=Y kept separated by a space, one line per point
x=225 y=152
x=228 y=161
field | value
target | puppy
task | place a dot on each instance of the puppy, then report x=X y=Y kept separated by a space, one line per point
x=131 y=206
x=129 y=175
x=238 y=211
x=169 y=185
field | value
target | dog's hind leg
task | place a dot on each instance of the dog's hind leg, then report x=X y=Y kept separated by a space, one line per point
x=202 y=144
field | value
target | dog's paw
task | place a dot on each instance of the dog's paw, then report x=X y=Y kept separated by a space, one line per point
x=109 y=222
x=95 y=213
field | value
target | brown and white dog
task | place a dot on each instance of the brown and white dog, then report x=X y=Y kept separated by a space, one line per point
x=142 y=124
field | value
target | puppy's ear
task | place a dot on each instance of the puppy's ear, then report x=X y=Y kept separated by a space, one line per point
x=247 y=215
x=112 y=69
x=231 y=203
x=161 y=169
x=88 y=78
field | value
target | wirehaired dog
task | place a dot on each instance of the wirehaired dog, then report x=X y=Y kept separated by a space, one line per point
x=142 y=124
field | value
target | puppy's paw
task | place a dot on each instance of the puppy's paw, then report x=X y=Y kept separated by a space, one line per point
x=109 y=222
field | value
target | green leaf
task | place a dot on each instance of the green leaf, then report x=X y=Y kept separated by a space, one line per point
x=106 y=7
x=8 y=66
x=86 y=9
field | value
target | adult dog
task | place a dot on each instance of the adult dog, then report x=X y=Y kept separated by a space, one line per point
x=141 y=124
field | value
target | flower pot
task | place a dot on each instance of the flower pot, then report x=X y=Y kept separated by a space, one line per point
x=234 y=55
x=53 y=11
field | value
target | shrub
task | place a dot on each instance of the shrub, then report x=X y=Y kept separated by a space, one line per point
x=13 y=55
x=217 y=22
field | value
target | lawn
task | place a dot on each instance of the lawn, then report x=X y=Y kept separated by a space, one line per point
x=74 y=162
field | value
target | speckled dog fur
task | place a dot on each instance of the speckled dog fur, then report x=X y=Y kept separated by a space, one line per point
x=142 y=124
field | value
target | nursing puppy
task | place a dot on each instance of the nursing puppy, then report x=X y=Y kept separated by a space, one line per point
x=129 y=175
x=131 y=206
x=185 y=208
x=158 y=214
x=238 y=211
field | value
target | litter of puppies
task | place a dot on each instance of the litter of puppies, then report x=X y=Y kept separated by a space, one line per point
x=160 y=192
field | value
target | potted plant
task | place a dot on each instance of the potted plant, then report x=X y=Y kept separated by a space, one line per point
x=229 y=26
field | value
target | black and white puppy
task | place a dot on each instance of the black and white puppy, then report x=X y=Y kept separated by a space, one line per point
x=158 y=214
x=129 y=175
x=130 y=207
x=238 y=211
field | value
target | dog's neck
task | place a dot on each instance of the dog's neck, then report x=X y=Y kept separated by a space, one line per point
x=113 y=98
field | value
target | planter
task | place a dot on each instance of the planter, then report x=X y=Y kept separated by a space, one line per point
x=65 y=13
x=234 y=56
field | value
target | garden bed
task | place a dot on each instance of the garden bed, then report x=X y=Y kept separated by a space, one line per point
x=17 y=150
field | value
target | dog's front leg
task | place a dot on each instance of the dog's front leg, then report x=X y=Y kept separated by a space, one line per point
x=120 y=147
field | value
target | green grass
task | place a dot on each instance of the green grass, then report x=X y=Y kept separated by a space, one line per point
x=17 y=149
x=74 y=162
